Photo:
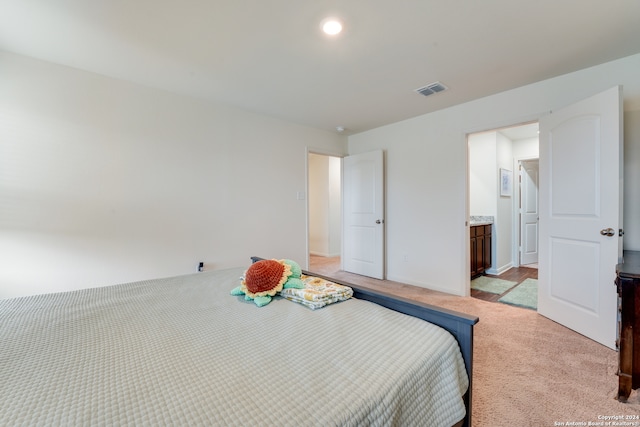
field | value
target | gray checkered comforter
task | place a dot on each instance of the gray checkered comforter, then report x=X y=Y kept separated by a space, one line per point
x=182 y=351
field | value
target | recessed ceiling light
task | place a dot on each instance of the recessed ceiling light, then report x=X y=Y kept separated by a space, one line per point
x=331 y=26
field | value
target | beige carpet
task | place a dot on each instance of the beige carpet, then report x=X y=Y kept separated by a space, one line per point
x=528 y=370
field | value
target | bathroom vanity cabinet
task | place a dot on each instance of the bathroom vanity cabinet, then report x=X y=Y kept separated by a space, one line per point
x=480 y=248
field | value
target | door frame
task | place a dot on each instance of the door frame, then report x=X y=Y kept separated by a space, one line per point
x=341 y=156
x=479 y=129
x=517 y=218
x=377 y=158
x=328 y=153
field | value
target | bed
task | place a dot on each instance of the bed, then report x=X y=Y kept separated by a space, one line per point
x=183 y=351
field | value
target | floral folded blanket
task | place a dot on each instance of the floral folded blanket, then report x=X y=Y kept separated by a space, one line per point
x=317 y=292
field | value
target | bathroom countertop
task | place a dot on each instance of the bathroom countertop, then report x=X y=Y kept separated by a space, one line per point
x=480 y=220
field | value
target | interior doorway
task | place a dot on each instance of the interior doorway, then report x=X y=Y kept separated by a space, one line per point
x=494 y=155
x=529 y=214
x=324 y=212
x=501 y=193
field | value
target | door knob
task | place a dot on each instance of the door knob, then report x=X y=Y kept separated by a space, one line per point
x=608 y=232
x=378 y=221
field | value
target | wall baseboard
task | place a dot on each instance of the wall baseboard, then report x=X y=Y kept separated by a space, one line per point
x=430 y=286
x=322 y=254
x=499 y=271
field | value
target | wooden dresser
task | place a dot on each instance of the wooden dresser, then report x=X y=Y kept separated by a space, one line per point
x=628 y=284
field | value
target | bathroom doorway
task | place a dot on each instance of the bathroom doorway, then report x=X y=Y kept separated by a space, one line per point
x=503 y=189
x=494 y=155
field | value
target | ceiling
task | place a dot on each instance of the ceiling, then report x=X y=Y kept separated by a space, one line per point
x=270 y=56
x=517 y=133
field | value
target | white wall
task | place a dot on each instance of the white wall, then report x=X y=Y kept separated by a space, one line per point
x=525 y=149
x=503 y=227
x=427 y=169
x=483 y=190
x=102 y=181
x=335 y=206
x=318 y=194
x=631 y=208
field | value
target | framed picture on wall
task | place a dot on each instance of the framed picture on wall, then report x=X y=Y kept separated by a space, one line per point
x=506 y=182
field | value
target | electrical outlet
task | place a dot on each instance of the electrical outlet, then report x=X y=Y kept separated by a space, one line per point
x=406 y=258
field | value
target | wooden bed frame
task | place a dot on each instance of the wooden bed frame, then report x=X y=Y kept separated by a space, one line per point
x=460 y=325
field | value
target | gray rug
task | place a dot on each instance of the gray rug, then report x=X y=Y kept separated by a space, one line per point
x=492 y=285
x=523 y=295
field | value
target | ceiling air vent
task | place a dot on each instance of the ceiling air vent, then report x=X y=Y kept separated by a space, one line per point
x=431 y=89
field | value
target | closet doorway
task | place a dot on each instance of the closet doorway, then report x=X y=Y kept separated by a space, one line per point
x=528 y=214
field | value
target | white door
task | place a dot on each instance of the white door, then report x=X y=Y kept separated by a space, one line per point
x=529 y=212
x=363 y=219
x=580 y=199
